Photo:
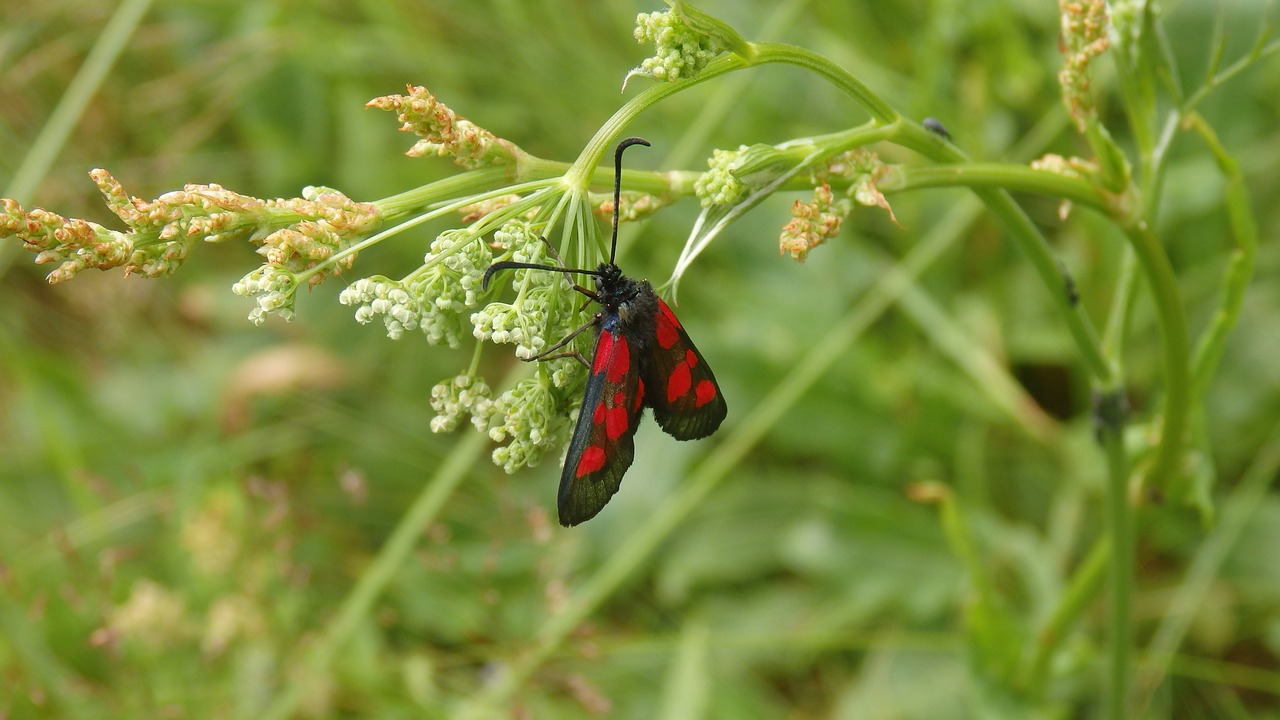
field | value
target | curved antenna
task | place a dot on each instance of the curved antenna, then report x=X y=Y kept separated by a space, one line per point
x=617 y=188
x=513 y=265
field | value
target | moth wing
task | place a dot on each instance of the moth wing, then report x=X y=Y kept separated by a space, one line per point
x=681 y=389
x=603 y=444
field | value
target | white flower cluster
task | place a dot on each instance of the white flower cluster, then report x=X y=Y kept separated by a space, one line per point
x=450 y=283
x=273 y=290
x=456 y=397
x=431 y=299
x=530 y=319
x=373 y=296
x=529 y=418
x=504 y=323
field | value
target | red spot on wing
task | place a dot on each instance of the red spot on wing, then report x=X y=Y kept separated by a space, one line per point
x=603 y=349
x=592 y=460
x=705 y=393
x=667 y=335
x=667 y=325
x=598 y=416
x=690 y=357
x=679 y=382
x=616 y=422
x=666 y=312
x=620 y=359
x=639 y=395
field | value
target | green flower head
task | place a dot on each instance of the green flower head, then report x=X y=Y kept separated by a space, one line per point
x=684 y=40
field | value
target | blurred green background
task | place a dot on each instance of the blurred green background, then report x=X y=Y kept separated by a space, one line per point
x=185 y=499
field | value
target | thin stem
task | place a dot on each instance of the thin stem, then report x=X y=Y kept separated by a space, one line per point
x=1052 y=274
x=1244 y=230
x=1086 y=583
x=471 y=182
x=1121 y=303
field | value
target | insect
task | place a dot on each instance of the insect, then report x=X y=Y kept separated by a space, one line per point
x=935 y=126
x=642 y=358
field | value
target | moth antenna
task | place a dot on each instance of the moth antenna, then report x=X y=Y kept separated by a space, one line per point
x=617 y=188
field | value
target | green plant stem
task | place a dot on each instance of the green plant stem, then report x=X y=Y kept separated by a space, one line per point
x=1175 y=349
x=358 y=604
x=1119 y=519
x=636 y=549
x=1261 y=48
x=409 y=203
x=881 y=111
x=1121 y=303
x=1244 y=230
x=1135 y=69
x=1003 y=175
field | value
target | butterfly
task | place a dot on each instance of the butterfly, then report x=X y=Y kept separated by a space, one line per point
x=642 y=358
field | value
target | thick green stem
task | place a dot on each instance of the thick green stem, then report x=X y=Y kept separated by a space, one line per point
x=1007 y=176
x=1176 y=348
x=1111 y=419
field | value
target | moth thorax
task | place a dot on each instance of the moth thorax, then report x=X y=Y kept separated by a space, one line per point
x=636 y=305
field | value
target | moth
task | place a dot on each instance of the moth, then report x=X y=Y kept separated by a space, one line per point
x=642 y=358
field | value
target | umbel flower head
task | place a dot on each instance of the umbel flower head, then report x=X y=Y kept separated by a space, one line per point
x=684 y=40
x=432 y=298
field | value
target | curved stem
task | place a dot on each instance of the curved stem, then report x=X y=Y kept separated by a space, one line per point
x=880 y=110
x=1003 y=175
x=1176 y=349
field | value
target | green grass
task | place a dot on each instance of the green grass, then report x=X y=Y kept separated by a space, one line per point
x=907 y=513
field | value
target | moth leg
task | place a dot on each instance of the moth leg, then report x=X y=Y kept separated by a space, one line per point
x=551 y=354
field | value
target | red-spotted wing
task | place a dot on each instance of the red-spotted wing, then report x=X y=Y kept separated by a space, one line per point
x=683 y=393
x=602 y=447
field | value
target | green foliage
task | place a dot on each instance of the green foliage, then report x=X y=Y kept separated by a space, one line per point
x=915 y=508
